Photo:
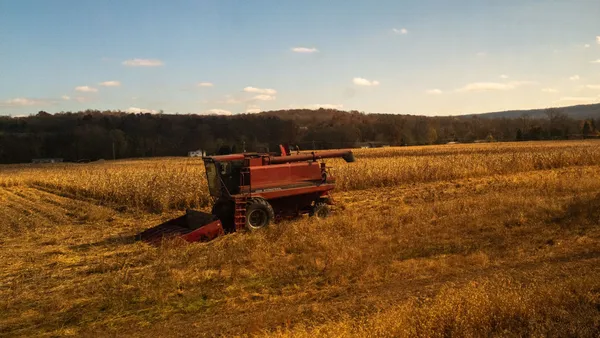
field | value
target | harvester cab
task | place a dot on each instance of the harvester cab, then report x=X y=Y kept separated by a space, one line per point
x=252 y=190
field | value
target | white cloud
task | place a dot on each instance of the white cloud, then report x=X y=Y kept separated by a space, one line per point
x=65 y=97
x=491 y=86
x=587 y=45
x=264 y=97
x=595 y=87
x=549 y=90
x=324 y=106
x=81 y=99
x=503 y=76
x=218 y=112
x=86 y=89
x=598 y=39
x=481 y=54
x=136 y=110
x=359 y=81
x=305 y=50
x=579 y=99
x=260 y=90
x=434 y=91
x=402 y=31
x=143 y=63
x=253 y=109
x=574 y=78
x=205 y=84
x=595 y=61
x=110 y=84
x=23 y=102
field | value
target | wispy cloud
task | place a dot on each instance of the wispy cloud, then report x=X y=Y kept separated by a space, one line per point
x=143 y=63
x=492 y=86
x=305 y=50
x=574 y=78
x=81 y=99
x=504 y=76
x=595 y=87
x=110 y=84
x=264 y=97
x=549 y=90
x=229 y=99
x=205 y=84
x=401 y=31
x=579 y=99
x=434 y=91
x=587 y=45
x=359 y=81
x=218 y=112
x=24 y=102
x=86 y=89
x=598 y=39
x=595 y=61
x=481 y=54
x=136 y=110
x=65 y=97
x=324 y=106
x=267 y=91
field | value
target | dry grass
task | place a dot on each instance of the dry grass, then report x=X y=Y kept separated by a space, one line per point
x=152 y=185
x=175 y=183
x=510 y=252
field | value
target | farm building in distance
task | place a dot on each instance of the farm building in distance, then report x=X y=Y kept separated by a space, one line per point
x=197 y=153
x=46 y=160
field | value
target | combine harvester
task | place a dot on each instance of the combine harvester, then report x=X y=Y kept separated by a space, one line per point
x=251 y=190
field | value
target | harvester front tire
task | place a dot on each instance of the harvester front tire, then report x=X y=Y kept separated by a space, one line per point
x=259 y=214
x=320 y=210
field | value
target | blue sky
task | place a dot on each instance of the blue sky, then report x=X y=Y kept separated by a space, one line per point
x=409 y=57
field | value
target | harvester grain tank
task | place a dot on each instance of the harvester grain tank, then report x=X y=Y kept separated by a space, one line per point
x=252 y=190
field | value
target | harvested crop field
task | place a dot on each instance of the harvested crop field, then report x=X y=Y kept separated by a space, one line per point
x=499 y=239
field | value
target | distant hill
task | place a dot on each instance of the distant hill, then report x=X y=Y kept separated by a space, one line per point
x=582 y=111
x=305 y=116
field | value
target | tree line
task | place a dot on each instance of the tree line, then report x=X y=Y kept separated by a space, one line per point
x=94 y=134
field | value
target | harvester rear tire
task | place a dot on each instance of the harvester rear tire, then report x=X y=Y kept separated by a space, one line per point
x=259 y=214
x=319 y=210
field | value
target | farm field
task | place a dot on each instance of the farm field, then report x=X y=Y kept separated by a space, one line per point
x=499 y=239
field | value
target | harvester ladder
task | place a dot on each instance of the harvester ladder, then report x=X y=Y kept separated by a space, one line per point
x=240 y=212
x=241 y=200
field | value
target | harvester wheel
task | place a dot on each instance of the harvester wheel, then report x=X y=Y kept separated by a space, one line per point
x=319 y=210
x=259 y=214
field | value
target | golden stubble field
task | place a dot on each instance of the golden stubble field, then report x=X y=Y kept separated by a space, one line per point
x=456 y=240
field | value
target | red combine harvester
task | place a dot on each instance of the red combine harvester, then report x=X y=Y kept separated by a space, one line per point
x=251 y=190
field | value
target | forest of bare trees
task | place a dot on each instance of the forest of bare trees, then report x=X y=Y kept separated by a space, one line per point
x=93 y=134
